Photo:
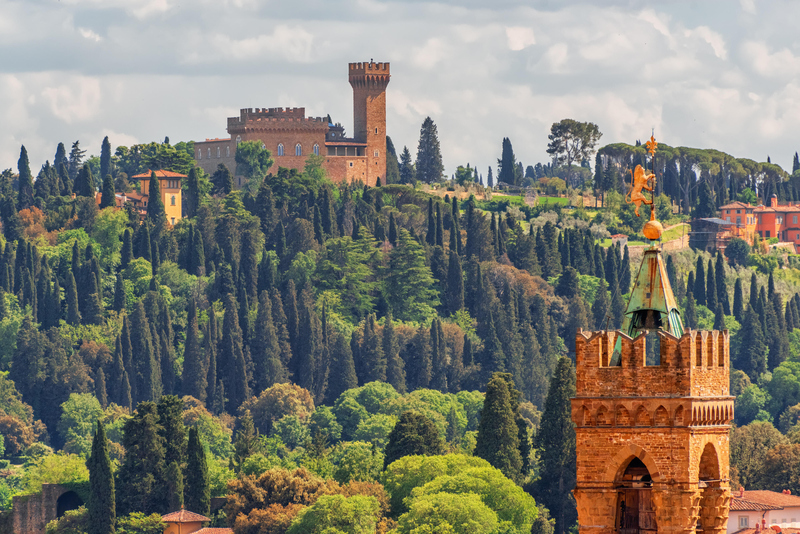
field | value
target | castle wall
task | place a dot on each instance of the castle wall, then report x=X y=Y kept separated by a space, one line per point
x=31 y=513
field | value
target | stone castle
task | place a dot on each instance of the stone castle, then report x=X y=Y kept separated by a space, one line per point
x=652 y=412
x=292 y=137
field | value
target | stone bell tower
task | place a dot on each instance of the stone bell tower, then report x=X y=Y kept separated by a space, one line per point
x=652 y=414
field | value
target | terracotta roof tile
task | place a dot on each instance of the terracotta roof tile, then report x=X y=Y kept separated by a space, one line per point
x=772 y=498
x=161 y=173
x=184 y=516
x=214 y=531
x=742 y=505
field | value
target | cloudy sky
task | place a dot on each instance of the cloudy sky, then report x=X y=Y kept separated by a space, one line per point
x=710 y=73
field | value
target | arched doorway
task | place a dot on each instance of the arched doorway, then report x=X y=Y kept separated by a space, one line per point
x=709 y=484
x=635 y=513
x=68 y=501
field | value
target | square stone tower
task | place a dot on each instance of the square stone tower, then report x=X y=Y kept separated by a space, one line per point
x=369 y=81
x=652 y=414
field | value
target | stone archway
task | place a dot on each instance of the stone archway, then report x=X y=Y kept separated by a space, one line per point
x=68 y=501
x=635 y=513
x=714 y=493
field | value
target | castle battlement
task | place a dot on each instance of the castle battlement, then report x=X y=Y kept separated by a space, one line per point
x=368 y=68
x=696 y=364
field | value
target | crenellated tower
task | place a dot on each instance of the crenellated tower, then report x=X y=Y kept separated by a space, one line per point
x=369 y=81
x=652 y=412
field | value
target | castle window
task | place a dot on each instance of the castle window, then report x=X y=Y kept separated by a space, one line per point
x=172 y=200
x=794 y=219
x=298 y=150
x=376 y=153
x=199 y=153
x=280 y=149
x=316 y=153
x=218 y=152
x=209 y=152
x=228 y=151
x=351 y=163
x=376 y=130
x=238 y=139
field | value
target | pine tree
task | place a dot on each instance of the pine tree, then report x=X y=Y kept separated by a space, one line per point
x=102 y=504
x=711 y=287
x=690 y=311
x=194 y=373
x=429 y=167
x=25 y=199
x=600 y=306
x=556 y=443
x=197 y=488
x=497 y=441
x=395 y=371
x=232 y=368
x=738 y=300
x=265 y=349
x=699 y=290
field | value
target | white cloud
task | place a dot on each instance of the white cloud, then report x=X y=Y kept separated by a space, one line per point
x=748 y=6
x=519 y=37
x=78 y=100
x=291 y=43
x=90 y=35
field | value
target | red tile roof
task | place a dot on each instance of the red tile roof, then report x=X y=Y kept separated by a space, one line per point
x=772 y=498
x=214 y=531
x=161 y=173
x=184 y=516
x=742 y=505
x=737 y=204
x=767 y=530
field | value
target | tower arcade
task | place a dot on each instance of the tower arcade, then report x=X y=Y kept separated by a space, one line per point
x=652 y=413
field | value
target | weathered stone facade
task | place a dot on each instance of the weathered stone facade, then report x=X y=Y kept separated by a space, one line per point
x=31 y=513
x=673 y=417
x=292 y=137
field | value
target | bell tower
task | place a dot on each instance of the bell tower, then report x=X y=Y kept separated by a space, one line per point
x=652 y=412
x=369 y=81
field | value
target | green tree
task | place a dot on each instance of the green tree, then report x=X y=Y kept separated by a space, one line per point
x=265 y=348
x=448 y=513
x=752 y=354
x=79 y=413
x=498 y=440
x=194 y=192
x=572 y=141
x=690 y=311
x=738 y=251
x=722 y=289
x=556 y=444
x=108 y=198
x=600 y=306
x=102 y=504
x=392 y=165
x=738 y=300
x=197 y=488
x=73 y=312
x=141 y=484
x=25 y=199
x=156 y=214
x=342 y=369
x=711 y=287
x=414 y=434
x=507 y=164
x=699 y=289
x=407 y=174
x=222 y=181
x=331 y=514
x=455 y=283
x=372 y=355
x=232 y=365
x=409 y=282
x=395 y=367
x=194 y=373
x=706 y=203
x=253 y=161
x=84 y=183
x=429 y=167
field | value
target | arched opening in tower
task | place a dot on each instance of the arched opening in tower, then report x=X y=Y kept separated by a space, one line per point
x=710 y=488
x=635 y=513
x=68 y=501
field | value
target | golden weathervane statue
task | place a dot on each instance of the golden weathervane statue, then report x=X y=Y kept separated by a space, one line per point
x=640 y=180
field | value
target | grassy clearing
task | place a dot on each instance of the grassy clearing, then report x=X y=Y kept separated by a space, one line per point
x=553 y=201
x=675 y=233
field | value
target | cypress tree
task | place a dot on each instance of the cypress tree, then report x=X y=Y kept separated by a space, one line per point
x=690 y=312
x=699 y=289
x=599 y=262
x=73 y=313
x=198 y=259
x=343 y=371
x=120 y=298
x=265 y=349
x=308 y=347
x=738 y=300
x=125 y=397
x=497 y=441
x=194 y=372
x=752 y=357
x=280 y=321
x=753 y=292
x=126 y=255
x=392 y=230
x=373 y=357
x=171 y=428
x=105 y=157
x=102 y=504
x=210 y=345
x=625 y=272
x=617 y=305
x=197 y=488
x=141 y=484
x=84 y=183
x=719 y=318
x=430 y=235
x=722 y=290
x=100 y=388
x=193 y=194
x=468 y=356
x=600 y=306
x=108 y=199
x=118 y=373
x=156 y=214
x=94 y=303
x=556 y=443
x=455 y=283
x=233 y=371
x=439 y=227
x=127 y=350
x=455 y=231
x=438 y=356
x=291 y=314
x=711 y=287
x=395 y=371
x=413 y=434
x=25 y=198
x=144 y=248
x=418 y=366
x=146 y=371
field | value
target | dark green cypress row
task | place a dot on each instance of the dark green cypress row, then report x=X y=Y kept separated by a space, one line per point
x=265 y=349
x=102 y=503
x=232 y=367
x=342 y=370
x=194 y=373
x=197 y=488
x=395 y=371
x=455 y=283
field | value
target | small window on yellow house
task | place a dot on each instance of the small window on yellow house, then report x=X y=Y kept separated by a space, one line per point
x=173 y=221
x=172 y=200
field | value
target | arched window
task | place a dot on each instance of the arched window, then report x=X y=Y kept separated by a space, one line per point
x=298 y=150
x=376 y=153
x=199 y=153
x=228 y=151
x=316 y=149
x=209 y=152
x=238 y=139
x=218 y=152
x=173 y=200
x=280 y=149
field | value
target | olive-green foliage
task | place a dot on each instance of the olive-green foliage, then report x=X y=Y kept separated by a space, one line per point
x=79 y=414
x=102 y=507
x=409 y=472
x=335 y=513
x=414 y=434
x=60 y=468
x=139 y=523
x=356 y=460
x=72 y=522
x=498 y=439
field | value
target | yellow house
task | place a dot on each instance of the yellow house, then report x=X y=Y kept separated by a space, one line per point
x=170 y=185
x=183 y=522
